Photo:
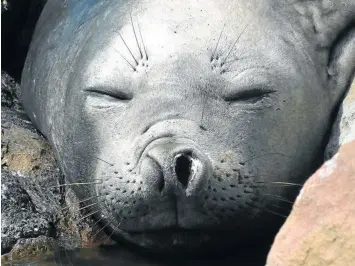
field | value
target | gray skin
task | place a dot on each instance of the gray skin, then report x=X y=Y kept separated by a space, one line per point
x=186 y=116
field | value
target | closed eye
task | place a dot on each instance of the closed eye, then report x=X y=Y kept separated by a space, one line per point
x=112 y=93
x=248 y=96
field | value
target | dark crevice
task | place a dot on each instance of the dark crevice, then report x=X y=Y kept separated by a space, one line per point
x=18 y=24
x=161 y=183
x=183 y=169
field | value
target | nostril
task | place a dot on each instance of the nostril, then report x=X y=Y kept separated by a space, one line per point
x=183 y=168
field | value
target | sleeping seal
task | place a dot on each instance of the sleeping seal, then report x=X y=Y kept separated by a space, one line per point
x=188 y=119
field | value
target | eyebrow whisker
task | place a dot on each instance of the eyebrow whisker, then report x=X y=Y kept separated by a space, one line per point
x=144 y=48
x=219 y=38
x=230 y=51
x=134 y=69
x=135 y=36
x=135 y=60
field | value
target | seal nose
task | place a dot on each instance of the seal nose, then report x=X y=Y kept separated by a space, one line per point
x=183 y=171
x=178 y=168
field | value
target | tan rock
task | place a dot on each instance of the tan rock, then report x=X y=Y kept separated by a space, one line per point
x=25 y=151
x=320 y=230
x=30 y=249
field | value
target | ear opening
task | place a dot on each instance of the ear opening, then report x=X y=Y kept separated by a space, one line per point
x=341 y=63
x=330 y=26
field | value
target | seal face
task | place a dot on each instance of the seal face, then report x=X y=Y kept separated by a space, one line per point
x=189 y=118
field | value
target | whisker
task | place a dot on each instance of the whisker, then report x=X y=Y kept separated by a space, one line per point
x=145 y=50
x=76 y=184
x=81 y=201
x=279 y=207
x=88 y=215
x=246 y=26
x=278 y=197
x=135 y=36
x=134 y=69
x=239 y=57
x=219 y=38
x=279 y=183
x=87 y=206
x=98 y=221
x=87 y=199
x=98 y=157
x=109 y=237
x=135 y=60
x=267 y=210
x=102 y=228
x=276 y=213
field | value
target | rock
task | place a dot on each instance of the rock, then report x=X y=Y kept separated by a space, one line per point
x=9 y=91
x=33 y=204
x=321 y=227
x=30 y=202
x=344 y=127
x=23 y=149
x=31 y=249
x=27 y=210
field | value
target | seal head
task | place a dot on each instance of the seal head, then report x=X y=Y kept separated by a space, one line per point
x=192 y=121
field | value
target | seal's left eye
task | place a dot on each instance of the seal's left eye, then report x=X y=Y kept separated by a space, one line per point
x=250 y=96
x=112 y=93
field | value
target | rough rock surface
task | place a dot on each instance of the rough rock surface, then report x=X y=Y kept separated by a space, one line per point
x=34 y=248
x=9 y=92
x=321 y=227
x=344 y=126
x=23 y=150
x=34 y=208
x=27 y=212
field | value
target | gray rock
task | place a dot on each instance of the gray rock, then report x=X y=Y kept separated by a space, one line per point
x=9 y=91
x=27 y=211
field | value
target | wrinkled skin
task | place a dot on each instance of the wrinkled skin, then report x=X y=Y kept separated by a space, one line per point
x=184 y=115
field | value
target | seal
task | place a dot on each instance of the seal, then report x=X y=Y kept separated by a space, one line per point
x=188 y=123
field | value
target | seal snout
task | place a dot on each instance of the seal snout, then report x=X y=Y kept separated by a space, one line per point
x=182 y=168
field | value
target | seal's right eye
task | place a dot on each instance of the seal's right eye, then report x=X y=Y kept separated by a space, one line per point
x=109 y=93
